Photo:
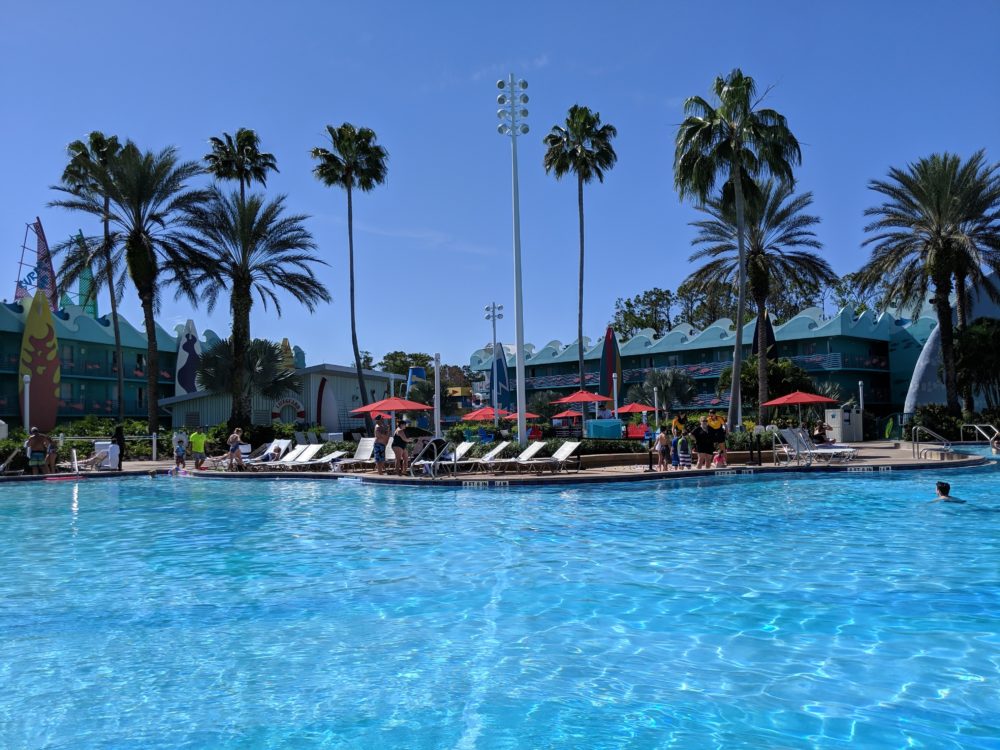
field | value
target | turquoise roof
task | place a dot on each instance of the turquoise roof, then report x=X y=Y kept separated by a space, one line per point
x=809 y=323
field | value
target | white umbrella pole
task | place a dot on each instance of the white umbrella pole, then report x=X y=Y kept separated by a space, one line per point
x=614 y=388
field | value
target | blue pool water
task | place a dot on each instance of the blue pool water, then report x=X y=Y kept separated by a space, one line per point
x=791 y=612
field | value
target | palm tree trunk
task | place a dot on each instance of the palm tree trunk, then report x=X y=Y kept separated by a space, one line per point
x=942 y=305
x=962 y=299
x=239 y=415
x=114 y=312
x=152 y=360
x=761 y=359
x=579 y=318
x=735 y=409
x=369 y=427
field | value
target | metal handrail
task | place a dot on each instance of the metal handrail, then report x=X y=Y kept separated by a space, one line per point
x=915 y=436
x=981 y=429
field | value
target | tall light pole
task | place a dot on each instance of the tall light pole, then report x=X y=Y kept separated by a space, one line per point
x=27 y=402
x=494 y=312
x=512 y=111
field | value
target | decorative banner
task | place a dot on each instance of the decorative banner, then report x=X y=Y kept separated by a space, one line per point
x=611 y=363
x=287 y=355
x=43 y=277
x=40 y=360
x=500 y=374
x=188 y=360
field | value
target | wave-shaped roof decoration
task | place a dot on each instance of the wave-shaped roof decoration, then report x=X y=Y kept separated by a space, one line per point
x=808 y=323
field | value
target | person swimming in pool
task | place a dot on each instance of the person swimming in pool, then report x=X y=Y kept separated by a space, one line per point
x=944 y=494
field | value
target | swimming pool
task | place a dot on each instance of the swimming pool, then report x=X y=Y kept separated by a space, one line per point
x=793 y=612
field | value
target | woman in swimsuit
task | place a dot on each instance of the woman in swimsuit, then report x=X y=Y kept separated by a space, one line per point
x=662 y=445
x=235 y=454
x=399 y=443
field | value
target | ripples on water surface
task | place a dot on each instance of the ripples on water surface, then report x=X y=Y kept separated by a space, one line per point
x=806 y=612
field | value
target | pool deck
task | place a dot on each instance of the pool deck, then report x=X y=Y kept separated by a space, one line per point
x=874 y=458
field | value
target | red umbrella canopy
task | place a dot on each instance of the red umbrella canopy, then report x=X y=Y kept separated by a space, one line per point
x=634 y=408
x=798 y=398
x=568 y=414
x=394 y=403
x=581 y=397
x=485 y=413
x=527 y=415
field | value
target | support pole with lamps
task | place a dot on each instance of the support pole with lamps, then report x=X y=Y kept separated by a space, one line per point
x=656 y=406
x=513 y=112
x=494 y=312
x=27 y=402
x=437 y=395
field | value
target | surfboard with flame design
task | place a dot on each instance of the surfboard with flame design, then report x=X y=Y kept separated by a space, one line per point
x=40 y=359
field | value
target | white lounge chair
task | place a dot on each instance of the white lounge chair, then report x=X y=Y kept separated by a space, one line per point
x=847 y=452
x=502 y=464
x=474 y=464
x=361 y=458
x=95 y=462
x=262 y=458
x=292 y=455
x=5 y=469
x=318 y=463
x=557 y=461
x=308 y=453
x=798 y=449
x=437 y=458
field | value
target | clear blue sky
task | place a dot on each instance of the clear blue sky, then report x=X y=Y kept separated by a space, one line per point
x=864 y=86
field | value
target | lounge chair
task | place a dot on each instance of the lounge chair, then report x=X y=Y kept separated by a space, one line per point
x=317 y=463
x=5 y=469
x=298 y=455
x=439 y=456
x=93 y=463
x=558 y=461
x=300 y=438
x=475 y=464
x=363 y=454
x=846 y=451
x=263 y=457
x=502 y=464
x=798 y=449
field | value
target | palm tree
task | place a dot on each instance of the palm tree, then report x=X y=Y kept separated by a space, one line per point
x=240 y=158
x=940 y=219
x=255 y=250
x=353 y=161
x=671 y=386
x=776 y=227
x=263 y=362
x=583 y=147
x=738 y=142
x=147 y=195
x=86 y=157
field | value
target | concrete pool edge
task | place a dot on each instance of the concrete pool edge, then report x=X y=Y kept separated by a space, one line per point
x=482 y=481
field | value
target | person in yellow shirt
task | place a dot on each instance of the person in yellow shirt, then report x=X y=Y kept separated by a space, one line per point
x=677 y=424
x=717 y=425
x=197 y=441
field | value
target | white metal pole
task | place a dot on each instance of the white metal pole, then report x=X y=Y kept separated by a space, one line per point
x=493 y=372
x=437 y=395
x=27 y=403
x=614 y=389
x=518 y=302
x=656 y=405
x=861 y=394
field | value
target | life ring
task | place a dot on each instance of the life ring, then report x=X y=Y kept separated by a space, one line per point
x=281 y=403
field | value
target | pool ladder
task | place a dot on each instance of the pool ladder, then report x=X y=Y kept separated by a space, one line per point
x=942 y=446
x=987 y=431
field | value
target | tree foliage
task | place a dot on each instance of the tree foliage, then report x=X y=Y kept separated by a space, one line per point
x=400 y=362
x=583 y=147
x=977 y=360
x=263 y=362
x=650 y=309
x=783 y=377
x=673 y=387
x=239 y=158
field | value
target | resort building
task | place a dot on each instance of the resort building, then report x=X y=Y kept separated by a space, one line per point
x=879 y=351
x=86 y=380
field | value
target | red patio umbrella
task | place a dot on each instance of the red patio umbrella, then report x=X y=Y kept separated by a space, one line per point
x=527 y=415
x=483 y=414
x=634 y=408
x=581 y=397
x=568 y=414
x=797 y=398
x=395 y=403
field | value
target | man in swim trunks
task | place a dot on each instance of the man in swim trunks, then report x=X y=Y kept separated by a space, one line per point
x=38 y=448
x=944 y=494
x=381 y=442
x=197 y=440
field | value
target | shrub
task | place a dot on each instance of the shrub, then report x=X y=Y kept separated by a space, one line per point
x=935 y=417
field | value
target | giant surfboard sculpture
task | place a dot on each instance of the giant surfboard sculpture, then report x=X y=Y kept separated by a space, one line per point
x=40 y=360
x=188 y=359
